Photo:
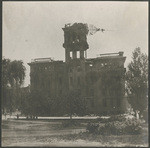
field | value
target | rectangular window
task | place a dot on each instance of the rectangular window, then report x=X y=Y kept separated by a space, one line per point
x=85 y=54
x=70 y=70
x=92 y=92
x=112 y=102
x=78 y=68
x=71 y=56
x=78 y=54
x=71 y=81
x=108 y=92
x=49 y=84
x=104 y=102
x=60 y=92
x=60 y=81
x=79 y=91
x=87 y=90
x=92 y=103
x=92 y=79
x=118 y=102
x=78 y=81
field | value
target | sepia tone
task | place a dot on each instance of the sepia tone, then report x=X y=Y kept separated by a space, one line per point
x=75 y=74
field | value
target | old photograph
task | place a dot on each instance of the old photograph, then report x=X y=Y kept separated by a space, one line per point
x=74 y=74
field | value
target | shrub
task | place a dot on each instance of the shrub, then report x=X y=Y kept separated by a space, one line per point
x=120 y=118
x=103 y=120
x=133 y=126
x=92 y=128
x=128 y=126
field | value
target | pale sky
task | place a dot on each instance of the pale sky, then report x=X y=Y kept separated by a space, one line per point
x=34 y=29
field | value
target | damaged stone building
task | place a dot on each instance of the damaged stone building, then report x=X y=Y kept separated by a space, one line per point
x=99 y=80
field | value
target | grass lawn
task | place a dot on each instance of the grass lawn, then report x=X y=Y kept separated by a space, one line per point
x=52 y=133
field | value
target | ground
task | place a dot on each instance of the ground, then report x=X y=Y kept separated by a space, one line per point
x=52 y=133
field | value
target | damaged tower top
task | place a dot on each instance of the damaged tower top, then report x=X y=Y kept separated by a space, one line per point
x=75 y=36
x=75 y=39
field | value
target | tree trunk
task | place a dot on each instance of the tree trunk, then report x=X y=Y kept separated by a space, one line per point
x=137 y=114
x=134 y=114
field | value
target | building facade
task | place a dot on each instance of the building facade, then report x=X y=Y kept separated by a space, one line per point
x=99 y=80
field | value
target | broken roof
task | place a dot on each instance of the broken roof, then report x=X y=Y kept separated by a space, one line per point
x=77 y=27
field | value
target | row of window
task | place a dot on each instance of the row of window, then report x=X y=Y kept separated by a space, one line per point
x=44 y=68
x=105 y=64
x=78 y=69
x=45 y=83
x=77 y=54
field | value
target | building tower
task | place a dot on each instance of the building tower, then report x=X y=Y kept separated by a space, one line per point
x=75 y=40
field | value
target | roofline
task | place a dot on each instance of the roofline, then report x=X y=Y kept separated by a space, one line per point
x=45 y=62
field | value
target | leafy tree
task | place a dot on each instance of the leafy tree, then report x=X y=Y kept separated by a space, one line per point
x=24 y=105
x=13 y=74
x=74 y=103
x=38 y=103
x=137 y=81
x=16 y=73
